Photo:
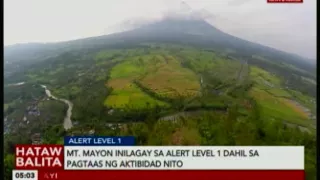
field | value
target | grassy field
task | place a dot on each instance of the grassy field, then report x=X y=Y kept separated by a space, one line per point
x=268 y=82
x=277 y=102
x=279 y=92
x=167 y=77
x=264 y=78
x=125 y=93
x=161 y=73
x=305 y=100
x=131 y=96
x=279 y=108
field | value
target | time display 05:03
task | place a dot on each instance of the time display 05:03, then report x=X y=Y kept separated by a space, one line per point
x=24 y=175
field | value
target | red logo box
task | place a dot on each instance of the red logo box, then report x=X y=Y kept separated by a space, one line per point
x=285 y=1
x=39 y=157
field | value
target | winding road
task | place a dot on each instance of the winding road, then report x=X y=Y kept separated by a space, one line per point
x=67 y=123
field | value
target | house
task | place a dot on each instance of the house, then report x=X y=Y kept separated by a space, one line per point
x=36 y=138
x=91 y=132
x=110 y=112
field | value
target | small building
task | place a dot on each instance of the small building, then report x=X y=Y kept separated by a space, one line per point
x=91 y=132
x=36 y=139
x=110 y=112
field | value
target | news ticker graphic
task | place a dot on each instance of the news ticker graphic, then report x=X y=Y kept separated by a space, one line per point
x=118 y=157
x=168 y=175
x=182 y=157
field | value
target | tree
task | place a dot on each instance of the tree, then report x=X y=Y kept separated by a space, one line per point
x=8 y=166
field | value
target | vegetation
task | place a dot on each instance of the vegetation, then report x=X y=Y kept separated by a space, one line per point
x=164 y=94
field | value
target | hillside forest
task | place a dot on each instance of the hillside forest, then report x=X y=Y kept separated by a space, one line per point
x=163 y=94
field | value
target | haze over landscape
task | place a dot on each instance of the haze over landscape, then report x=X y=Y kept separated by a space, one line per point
x=199 y=73
x=287 y=27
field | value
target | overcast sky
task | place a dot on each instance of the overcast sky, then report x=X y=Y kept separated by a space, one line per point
x=289 y=27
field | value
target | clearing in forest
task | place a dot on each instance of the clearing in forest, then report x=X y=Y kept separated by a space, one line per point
x=131 y=96
x=165 y=76
x=264 y=78
x=269 y=82
x=162 y=74
x=278 y=108
x=277 y=102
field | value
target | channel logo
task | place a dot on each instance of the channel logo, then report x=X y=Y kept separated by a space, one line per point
x=284 y=1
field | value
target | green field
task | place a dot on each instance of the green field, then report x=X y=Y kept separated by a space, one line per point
x=277 y=102
x=132 y=97
x=162 y=74
x=264 y=78
x=279 y=108
x=166 y=76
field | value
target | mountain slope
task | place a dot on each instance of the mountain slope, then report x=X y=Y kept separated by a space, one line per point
x=192 y=31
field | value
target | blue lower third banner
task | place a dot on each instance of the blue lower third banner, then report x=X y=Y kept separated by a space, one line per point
x=99 y=141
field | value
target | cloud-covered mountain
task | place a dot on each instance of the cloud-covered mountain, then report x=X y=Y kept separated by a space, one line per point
x=184 y=26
